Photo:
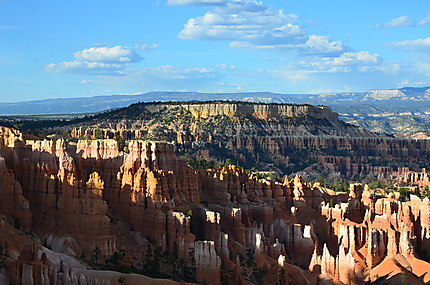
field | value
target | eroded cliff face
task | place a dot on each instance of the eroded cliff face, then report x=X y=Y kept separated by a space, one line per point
x=260 y=111
x=279 y=137
x=67 y=207
x=404 y=174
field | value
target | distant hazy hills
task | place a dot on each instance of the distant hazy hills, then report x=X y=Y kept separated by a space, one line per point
x=393 y=98
x=404 y=112
x=101 y=103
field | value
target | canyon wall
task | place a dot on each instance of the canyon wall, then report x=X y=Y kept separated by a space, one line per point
x=261 y=111
x=68 y=207
x=404 y=174
x=272 y=137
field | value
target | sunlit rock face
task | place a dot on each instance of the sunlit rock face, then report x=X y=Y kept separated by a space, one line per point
x=65 y=207
x=282 y=137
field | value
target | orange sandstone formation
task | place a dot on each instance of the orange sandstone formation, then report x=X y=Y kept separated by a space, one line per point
x=67 y=205
x=277 y=137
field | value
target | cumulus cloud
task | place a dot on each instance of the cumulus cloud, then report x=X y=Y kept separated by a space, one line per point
x=250 y=24
x=413 y=45
x=322 y=44
x=404 y=21
x=116 y=54
x=350 y=77
x=361 y=61
x=351 y=58
x=97 y=60
x=348 y=68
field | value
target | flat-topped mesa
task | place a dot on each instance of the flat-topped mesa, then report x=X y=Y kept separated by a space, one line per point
x=258 y=110
x=378 y=95
x=253 y=134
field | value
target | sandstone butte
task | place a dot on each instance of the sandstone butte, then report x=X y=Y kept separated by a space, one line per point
x=66 y=208
x=277 y=136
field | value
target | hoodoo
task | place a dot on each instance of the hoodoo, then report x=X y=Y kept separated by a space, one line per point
x=71 y=210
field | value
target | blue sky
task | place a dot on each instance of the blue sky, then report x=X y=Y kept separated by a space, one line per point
x=57 y=48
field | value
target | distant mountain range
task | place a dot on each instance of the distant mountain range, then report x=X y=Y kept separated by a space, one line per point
x=403 y=112
x=406 y=97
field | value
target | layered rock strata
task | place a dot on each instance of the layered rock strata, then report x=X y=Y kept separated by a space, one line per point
x=67 y=205
x=404 y=174
x=278 y=137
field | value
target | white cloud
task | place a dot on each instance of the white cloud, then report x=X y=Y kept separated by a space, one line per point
x=166 y=77
x=169 y=72
x=196 y=2
x=229 y=87
x=264 y=26
x=225 y=66
x=97 y=60
x=411 y=83
x=306 y=78
x=314 y=45
x=116 y=54
x=424 y=21
x=90 y=67
x=404 y=21
x=250 y=24
x=146 y=47
x=322 y=44
x=392 y=68
x=361 y=61
x=413 y=45
x=85 y=81
x=353 y=58
x=423 y=68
